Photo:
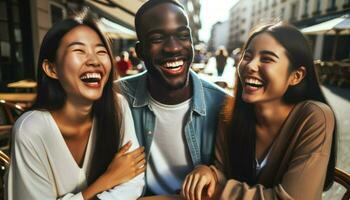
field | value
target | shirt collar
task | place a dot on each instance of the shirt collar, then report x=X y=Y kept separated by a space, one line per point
x=198 y=102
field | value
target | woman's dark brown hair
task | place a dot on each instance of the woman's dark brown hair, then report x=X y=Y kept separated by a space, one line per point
x=51 y=95
x=241 y=135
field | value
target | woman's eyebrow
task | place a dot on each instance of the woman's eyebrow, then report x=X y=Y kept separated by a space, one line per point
x=269 y=53
x=75 y=43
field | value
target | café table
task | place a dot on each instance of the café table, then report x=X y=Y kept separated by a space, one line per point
x=22 y=84
x=161 y=197
x=5 y=131
x=29 y=85
x=18 y=97
x=24 y=99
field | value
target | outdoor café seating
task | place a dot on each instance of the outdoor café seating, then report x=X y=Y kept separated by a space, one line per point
x=336 y=73
x=9 y=112
x=4 y=164
x=343 y=179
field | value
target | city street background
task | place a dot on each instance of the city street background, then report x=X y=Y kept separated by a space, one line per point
x=339 y=99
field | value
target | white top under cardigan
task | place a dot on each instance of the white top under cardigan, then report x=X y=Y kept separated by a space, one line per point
x=42 y=167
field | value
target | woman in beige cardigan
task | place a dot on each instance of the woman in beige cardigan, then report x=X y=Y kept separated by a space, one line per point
x=276 y=139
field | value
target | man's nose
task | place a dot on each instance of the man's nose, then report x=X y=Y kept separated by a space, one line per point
x=172 y=45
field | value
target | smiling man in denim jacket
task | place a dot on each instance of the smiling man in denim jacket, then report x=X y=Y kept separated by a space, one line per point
x=175 y=112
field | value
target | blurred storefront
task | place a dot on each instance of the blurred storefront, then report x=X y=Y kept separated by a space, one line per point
x=23 y=24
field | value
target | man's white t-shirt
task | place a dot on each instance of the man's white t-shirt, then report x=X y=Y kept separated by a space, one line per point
x=169 y=161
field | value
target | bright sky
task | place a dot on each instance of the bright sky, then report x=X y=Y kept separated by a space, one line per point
x=213 y=11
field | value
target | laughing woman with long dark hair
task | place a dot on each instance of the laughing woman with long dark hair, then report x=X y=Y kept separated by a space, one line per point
x=68 y=146
x=276 y=138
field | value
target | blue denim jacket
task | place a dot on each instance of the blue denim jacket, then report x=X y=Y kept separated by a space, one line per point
x=201 y=125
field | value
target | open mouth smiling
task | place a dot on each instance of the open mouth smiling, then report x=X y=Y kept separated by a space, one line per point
x=91 y=78
x=173 y=67
x=253 y=82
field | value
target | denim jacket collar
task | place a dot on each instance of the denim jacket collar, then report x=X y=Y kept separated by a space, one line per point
x=198 y=102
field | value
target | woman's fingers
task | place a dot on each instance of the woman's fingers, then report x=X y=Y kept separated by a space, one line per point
x=140 y=169
x=135 y=153
x=199 y=188
x=124 y=148
x=187 y=186
x=140 y=157
x=193 y=186
x=183 y=189
x=211 y=188
x=141 y=163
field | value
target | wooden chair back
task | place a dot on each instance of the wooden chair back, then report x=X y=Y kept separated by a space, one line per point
x=9 y=112
x=343 y=179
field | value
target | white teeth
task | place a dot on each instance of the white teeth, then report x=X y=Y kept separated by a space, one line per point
x=253 y=81
x=91 y=75
x=174 y=64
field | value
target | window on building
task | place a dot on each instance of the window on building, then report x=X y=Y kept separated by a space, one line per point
x=274 y=2
x=306 y=8
x=317 y=8
x=331 y=6
x=11 y=42
x=346 y=4
x=4 y=32
x=294 y=11
x=190 y=6
x=331 y=3
x=282 y=13
x=57 y=12
x=266 y=4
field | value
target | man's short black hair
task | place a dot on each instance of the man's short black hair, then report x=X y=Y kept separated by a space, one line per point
x=148 y=5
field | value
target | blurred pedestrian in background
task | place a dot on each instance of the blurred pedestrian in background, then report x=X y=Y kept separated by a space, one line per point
x=123 y=64
x=221 y=67
x=137 y=64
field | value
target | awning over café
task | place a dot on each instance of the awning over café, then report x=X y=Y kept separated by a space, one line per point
x=117 y=31
x=338 y=25
x=118 y=14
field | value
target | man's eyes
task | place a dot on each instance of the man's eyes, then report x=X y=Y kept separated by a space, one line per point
x=160 y=38
x=184 y=36
x=156 y=38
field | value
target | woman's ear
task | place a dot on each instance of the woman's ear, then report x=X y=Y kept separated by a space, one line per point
x=49 y=69
x=297 y=76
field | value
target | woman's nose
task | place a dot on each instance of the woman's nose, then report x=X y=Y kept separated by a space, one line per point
x=93 y=60
x=252 y=66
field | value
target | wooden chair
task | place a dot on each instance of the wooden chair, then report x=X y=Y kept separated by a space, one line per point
x=4 y=165
x=9 y=112
x=343 y=179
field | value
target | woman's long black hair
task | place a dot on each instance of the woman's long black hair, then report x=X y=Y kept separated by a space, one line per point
x=241 y=135
x=51 y=95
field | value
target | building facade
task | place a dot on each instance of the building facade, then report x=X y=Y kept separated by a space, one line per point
x=219 y=35
x=193 y=9
x=302 y=13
